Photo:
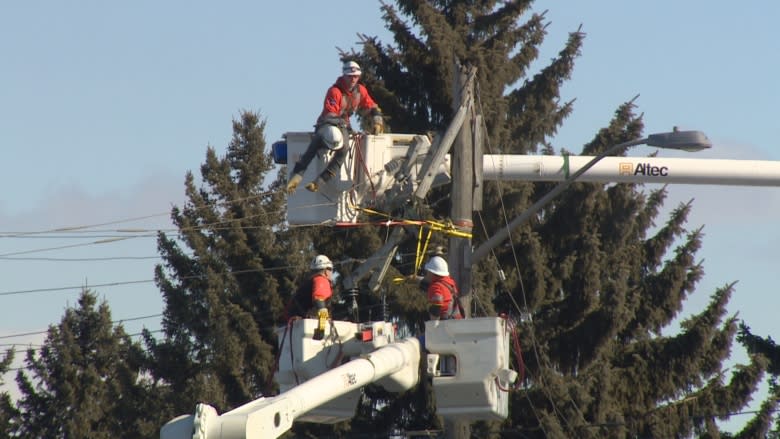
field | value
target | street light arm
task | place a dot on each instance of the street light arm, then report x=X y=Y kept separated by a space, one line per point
x=503 y=233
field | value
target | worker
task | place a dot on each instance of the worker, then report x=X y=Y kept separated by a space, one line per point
x=313 y=295
x=331 y=132
x=442 y=292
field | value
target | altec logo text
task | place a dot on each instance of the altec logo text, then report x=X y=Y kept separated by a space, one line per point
x=643 y=169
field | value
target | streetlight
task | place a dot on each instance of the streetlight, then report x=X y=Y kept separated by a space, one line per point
x=690 y=141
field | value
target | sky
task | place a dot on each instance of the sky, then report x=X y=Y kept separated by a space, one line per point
x=105 y=106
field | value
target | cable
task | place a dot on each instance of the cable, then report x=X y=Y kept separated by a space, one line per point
x=534 y=342
x=25 y=252
x=129 y=319
x=80 y=287
x=144 y=233
x=20 y=368
x=107 y=258
x=517 y=267
x=73 y=228
x=91 y=226
x=341 y=262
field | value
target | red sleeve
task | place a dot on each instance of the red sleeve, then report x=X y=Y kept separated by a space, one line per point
x=332 y=104
x=437 y=294
x=366 y=101
x=320 y=289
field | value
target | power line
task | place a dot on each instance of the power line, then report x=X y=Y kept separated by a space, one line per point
x=81 y=228
x=91 y=234
x=74 y=228
x=80 y=287
x=138 y=232
x=96 y=259
x=137 y=334
x=102 y=241
x=532 y=335
x=129 y=319
x=131 y=282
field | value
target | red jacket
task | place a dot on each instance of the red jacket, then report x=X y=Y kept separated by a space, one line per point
x=320 y=288
x=315 y=288
x=341 y=102
x=443 y=292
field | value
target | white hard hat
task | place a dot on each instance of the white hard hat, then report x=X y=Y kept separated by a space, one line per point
x=321 y=262
x=332 y=136
x=438 y=266
x=351 y=68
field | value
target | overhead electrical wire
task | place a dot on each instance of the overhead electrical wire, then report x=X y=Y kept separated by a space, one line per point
x=80 y=287
x=128 y=319
x=62 y=247
x=96 y=259
x=530 y=326
x=74 y=228
x=131 y=282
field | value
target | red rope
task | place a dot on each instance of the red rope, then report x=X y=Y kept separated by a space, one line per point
x=518 y=359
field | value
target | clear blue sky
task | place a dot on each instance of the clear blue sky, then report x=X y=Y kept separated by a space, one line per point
x=105 y=106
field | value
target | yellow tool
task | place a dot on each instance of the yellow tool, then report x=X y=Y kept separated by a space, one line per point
x=323 y=317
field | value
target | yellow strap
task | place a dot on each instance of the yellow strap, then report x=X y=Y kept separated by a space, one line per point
x=449 y=229
x=418 y=254
x=421 y=252
x=446 y=228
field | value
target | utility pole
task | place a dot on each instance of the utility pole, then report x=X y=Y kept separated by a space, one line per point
x=462 y=197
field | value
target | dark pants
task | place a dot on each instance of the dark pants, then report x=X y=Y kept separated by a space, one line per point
x=333 y=165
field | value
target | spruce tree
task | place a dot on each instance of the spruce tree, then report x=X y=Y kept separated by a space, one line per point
x=592 y=285
x=8 y=412
x=766 y=346
x=227 y=276
x=85 y=381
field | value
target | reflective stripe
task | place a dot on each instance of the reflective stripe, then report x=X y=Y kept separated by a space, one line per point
x=453 y=311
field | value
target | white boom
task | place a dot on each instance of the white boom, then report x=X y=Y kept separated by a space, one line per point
x=272 y=417
x=634 y=170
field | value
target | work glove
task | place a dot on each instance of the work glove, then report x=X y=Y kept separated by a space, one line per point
x=293 y=183
x=378 y=126
x=322 y=317
x=314 y=186
x=411 y=278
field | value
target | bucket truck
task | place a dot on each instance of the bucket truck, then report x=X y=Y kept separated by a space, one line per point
x=312 y=381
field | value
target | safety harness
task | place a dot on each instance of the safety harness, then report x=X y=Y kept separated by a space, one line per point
x=454 y=310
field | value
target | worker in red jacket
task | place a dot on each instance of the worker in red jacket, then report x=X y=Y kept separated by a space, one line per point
x=442 y=292
x=332 y=129
x=313 y=295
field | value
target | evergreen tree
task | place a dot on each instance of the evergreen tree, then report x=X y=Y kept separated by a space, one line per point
x=591 y=287
x=8 y=412
x=757 y=345
x=85 y=381
x=226 y=278
x=595 y=288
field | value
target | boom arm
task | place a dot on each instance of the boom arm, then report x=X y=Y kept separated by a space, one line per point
x=272 y=417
